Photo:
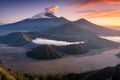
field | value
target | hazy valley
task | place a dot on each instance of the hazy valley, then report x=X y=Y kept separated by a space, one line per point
x=47 y=44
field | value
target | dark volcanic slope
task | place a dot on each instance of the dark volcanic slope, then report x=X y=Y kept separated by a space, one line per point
x=68 y=29
x=44 y=52
x=14 y=39
x=70 y=32
x=66 y=32
x=50 y=15
x=53 y=52
x=73 y=49
x=96 y=29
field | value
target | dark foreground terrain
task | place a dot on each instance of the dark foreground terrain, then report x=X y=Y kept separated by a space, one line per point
x=109 y=73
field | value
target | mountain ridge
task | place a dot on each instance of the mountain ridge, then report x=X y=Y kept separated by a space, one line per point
x=15 y=39
x=96 y=29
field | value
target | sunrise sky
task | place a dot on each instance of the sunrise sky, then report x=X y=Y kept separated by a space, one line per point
x=102 y=12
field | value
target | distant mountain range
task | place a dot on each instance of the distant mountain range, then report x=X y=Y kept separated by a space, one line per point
x=43 y=24
x=49 y=26
x=26 y=25
x=23 y=32
x=64 y=31
x=72 y=33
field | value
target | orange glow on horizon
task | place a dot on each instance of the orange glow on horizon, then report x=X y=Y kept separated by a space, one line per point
x=101 y=12
x=106 y=21
x=94 y=2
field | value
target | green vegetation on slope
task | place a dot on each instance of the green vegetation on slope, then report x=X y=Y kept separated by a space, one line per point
x=109 y=73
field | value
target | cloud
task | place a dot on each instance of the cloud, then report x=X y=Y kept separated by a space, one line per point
x=112 y=38
x=53 y=42
x=88 y=3
x=107 y=13
x=52 y=9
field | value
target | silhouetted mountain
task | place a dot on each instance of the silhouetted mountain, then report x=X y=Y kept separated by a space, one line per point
x=44 y=52
x=15 y=39
x=96 y=29
x=70 y=32
x=43 y=15
x=50 y=15
x=40 y=24
x=66 y=32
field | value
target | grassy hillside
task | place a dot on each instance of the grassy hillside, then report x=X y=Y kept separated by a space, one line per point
x=109 y=73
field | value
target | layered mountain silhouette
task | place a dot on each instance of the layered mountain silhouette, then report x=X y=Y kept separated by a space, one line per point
x=43 y=24
x=96 y=29
x=65 y=32
x=72 y=33
x=40 y=24
x=54 y=52
x=69 y=32
x=57 y=29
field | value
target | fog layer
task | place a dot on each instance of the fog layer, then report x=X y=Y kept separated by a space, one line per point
x=112 y=38
x=53 y=42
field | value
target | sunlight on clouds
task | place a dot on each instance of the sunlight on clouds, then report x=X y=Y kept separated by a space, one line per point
x=106 y=21
x=88 y=3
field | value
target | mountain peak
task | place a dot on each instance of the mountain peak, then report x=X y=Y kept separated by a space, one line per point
x=82 y=20
x=50 y=15
x=43 y=15
x=44 y=52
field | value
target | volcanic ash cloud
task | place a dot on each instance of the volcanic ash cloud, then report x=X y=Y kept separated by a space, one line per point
x=52 y=9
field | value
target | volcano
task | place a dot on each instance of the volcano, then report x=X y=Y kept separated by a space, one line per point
x=96 y=29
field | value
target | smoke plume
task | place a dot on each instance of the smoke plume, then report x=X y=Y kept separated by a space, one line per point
x=52 y=9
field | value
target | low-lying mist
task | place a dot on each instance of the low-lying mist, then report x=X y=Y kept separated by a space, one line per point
x=112 y=38
x=53 y=42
